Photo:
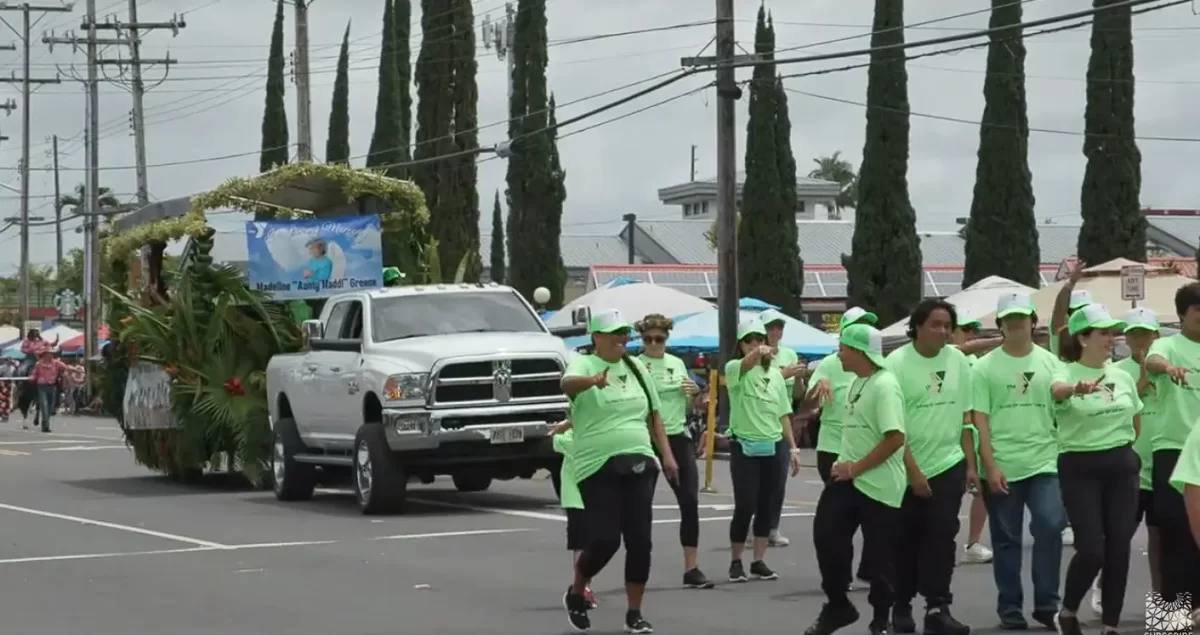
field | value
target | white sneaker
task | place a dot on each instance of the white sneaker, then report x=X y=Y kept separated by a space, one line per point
x=1097 y=608
x=1068 y=536
x=777 y=539
x=977 y=554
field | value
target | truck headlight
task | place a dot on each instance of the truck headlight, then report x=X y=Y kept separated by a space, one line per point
x=406 y=387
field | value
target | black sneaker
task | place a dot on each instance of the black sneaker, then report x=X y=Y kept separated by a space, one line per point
x=635 y=623
x=833 y=618
x=1066 y=624
x=760 y=571
x=577 y=611
x=902 y=619
x=939 y=621
x=879 y=627
x=737 y=573
x=1014 y=622
x=695 y=579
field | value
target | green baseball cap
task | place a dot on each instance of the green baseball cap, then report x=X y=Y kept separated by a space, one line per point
x=967 y=321
x=752 y=326
x=1092 y=316
x=1014 y=304
x=857 y=315
x=1141 y=318
x=392 y=275
x=609 y=322
x=864 y=338
x=771 y=316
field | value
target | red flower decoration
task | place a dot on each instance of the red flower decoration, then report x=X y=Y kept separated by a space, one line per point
x=234 y=386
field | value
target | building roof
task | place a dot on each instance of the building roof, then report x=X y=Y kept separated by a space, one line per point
x=805 y=188
x=578 y=252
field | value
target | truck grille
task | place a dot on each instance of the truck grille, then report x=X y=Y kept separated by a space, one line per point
x=498 y=381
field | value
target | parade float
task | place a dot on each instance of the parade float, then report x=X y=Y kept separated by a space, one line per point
x=184 y=369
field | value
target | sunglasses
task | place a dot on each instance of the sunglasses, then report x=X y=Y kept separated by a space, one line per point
x=654 y=339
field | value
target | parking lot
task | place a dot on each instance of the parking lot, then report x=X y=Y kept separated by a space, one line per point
x=94 y=544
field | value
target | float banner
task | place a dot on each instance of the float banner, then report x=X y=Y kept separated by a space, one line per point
x=318 y=258
x=147 y=404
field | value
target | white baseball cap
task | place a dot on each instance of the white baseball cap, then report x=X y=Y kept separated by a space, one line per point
x=856 y=315
x=1080 y=297
x=1141 y=318
x=1014 y=304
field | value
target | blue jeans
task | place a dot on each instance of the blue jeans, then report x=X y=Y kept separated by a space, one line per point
x=46 y=396
x=1048 y=518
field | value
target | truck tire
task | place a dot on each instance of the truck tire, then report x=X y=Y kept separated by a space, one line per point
x=380 y=485
x=471 y=481
x=291 y=480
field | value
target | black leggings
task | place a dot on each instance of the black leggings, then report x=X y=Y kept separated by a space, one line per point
x=687 y=491
x=755 y=483
x=1100 y=493
x=619 y=503
x=825 y=461
x=1180 y=554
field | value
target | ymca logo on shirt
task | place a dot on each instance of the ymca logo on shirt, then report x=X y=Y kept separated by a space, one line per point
x=1108 y=391
x=1024 y=381
x=937 y=379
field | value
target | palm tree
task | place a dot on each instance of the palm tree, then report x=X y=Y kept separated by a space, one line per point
x=76 y=199
x=838 y=170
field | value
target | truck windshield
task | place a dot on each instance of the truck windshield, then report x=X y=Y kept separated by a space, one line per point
x=408 y=316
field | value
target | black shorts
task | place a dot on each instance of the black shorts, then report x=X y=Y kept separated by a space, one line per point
x=576 y=522
x=1146 y=508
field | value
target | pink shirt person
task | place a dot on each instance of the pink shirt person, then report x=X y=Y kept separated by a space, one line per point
x=46 y=370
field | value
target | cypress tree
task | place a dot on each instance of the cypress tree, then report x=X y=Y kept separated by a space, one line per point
x=275 y=148
x=386 y=140
x=767 y=253
x=337 y=144
x=402 y=21
x=1001 y=234
x=533 y=185
x=434 y=75
x=497 y=263
x=458 y=219
x=551 y=217
x=884 y=269
x=1113 y=225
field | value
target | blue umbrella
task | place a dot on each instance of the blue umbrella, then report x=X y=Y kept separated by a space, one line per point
x=13 y=353
x=754 y=304
x=698 y=333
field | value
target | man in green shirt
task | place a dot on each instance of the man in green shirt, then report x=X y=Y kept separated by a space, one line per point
x=866 y=488
x=935 y=381
x=1173 y=364
x=1018 y=443
x=788 y=363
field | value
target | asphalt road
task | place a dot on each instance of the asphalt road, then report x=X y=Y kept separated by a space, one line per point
x=92 y=543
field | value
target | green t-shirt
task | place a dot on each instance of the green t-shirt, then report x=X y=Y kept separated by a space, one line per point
x=874 y=407
x=783 y=358
x=758 y=398
x=1014 y=392
x=1179 y=406
x=569 y=496
x=833 y=413
x=667 y=375
x=1102 y=420
x=609 y=421
x=1143 y=444
x=937 y=398
x=1187 y=469
x=971 y=359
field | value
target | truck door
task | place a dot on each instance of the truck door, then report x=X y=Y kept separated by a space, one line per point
x=344 y=399
x=318 y=382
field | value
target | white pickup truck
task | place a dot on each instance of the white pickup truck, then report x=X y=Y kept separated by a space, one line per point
x=414 y=382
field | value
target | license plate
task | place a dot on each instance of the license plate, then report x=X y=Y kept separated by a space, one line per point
x=507 y=435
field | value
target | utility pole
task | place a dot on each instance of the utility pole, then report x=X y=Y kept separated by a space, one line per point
x=303 y=100
x=693 y=163
x=27 y=83
x=728 y=93
x=500 y=36
x=58 y=208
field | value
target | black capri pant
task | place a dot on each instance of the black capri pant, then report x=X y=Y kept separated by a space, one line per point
x=619 y=504
x=756 y=482
x=687 y=489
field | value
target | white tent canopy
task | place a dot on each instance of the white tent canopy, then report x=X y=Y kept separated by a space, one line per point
x=634 y=301
x=976 y=301
x=61 y=333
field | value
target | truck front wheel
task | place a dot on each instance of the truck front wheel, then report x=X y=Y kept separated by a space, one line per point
x=471 y=481
x=380 y=485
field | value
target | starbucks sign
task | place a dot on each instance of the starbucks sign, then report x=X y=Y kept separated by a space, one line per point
x=67 y=303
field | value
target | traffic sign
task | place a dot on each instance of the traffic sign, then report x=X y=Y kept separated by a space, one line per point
x=1133 y=283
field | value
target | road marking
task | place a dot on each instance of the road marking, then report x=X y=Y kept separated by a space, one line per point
x=518 y=513
x=79 y=448
x=45 y=442
x=13 y=453
x=709 y=519
x=453 y=534
x=100 y=556
x=116 y=526
x=91 y=437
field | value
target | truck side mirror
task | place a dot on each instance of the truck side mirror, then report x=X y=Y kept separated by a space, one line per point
x=312 y=330
x=581 y=315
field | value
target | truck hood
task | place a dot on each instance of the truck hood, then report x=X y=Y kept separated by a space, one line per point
x=420 y=353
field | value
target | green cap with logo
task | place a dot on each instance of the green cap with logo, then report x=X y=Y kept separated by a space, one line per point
x=1079 y=298
x=1092 y=316
x=1141 y=318
x=772 y=316
x=857 y=315
x=966 y=320
x=1014 y=304
x=392 y=276
x=609 y=322
x=753 y=326
x=864 y=338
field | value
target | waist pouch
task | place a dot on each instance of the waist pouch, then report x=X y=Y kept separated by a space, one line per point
x=758 y=448
x=628 y=464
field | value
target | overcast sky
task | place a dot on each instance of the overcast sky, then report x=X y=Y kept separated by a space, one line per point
x=204 y=119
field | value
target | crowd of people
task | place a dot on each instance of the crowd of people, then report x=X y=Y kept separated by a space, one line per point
x=40 y=384
x=1091 y=447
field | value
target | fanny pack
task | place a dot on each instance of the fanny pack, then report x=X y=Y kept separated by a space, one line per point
x=632 y=464
x=758 y=448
